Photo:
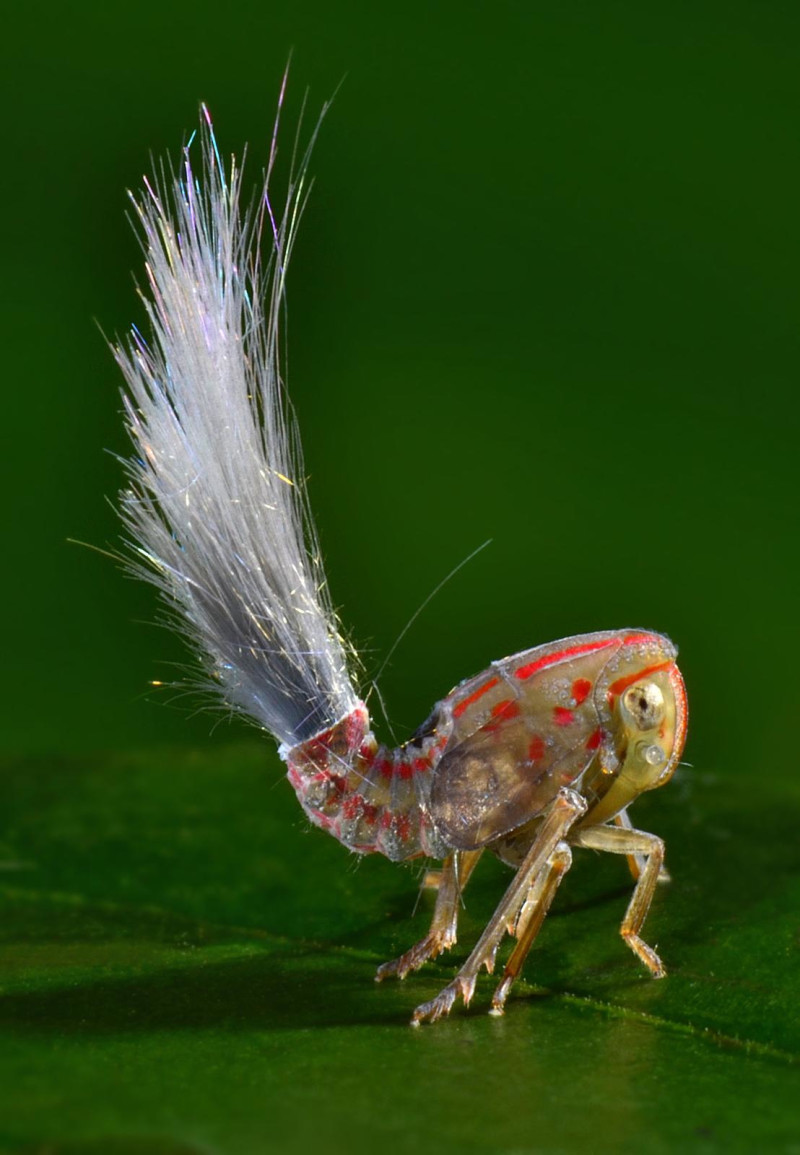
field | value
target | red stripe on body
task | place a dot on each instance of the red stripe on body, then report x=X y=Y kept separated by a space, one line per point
x=622 y=683
x=459 y=709
x=532 y=668
x=681 y=713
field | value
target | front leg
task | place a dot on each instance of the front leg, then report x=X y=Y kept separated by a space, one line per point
x=456 y=869
x=621 y=840
x=636 y=862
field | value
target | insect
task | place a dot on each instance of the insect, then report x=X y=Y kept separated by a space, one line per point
x=542 y=752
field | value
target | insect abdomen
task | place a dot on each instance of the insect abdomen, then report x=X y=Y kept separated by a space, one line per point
x=371 y=798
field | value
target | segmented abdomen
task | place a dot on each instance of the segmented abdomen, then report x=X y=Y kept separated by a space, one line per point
x=372 y=798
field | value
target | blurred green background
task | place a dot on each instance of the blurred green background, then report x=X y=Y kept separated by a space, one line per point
x=546 y=292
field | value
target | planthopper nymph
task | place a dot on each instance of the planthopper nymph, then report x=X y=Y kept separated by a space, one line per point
x=542 y=752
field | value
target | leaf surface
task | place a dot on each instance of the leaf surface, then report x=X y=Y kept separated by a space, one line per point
x=186 y=967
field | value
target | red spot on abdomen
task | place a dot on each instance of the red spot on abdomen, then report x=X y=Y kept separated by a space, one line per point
x=562 y=716
x=536 y=748
x=502 y=712
x=581 y=689
x=351 y=806
x=505 y=710
x=594 y=739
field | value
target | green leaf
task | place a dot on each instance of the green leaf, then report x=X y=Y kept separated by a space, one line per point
x=187 y=968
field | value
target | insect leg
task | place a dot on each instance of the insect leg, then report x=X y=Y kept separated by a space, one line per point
x=567 y=807
x=619 y=840
x=530 y=919
x=456 y=869
x=636 y=862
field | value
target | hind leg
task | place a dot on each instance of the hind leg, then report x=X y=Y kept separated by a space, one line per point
x=456 y=869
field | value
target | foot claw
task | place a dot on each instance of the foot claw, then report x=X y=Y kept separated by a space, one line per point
x=427 y=948
x=646 y=954
x=443 y=1003
x=500 y=996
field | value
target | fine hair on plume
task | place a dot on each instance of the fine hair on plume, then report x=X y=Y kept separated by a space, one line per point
x=216 y=507
x=543 y=751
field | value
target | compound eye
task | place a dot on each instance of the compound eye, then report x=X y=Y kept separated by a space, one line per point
x=645 y=704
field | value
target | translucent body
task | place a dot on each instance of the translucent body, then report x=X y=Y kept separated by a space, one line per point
x=495 y=752
x=542 y=752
